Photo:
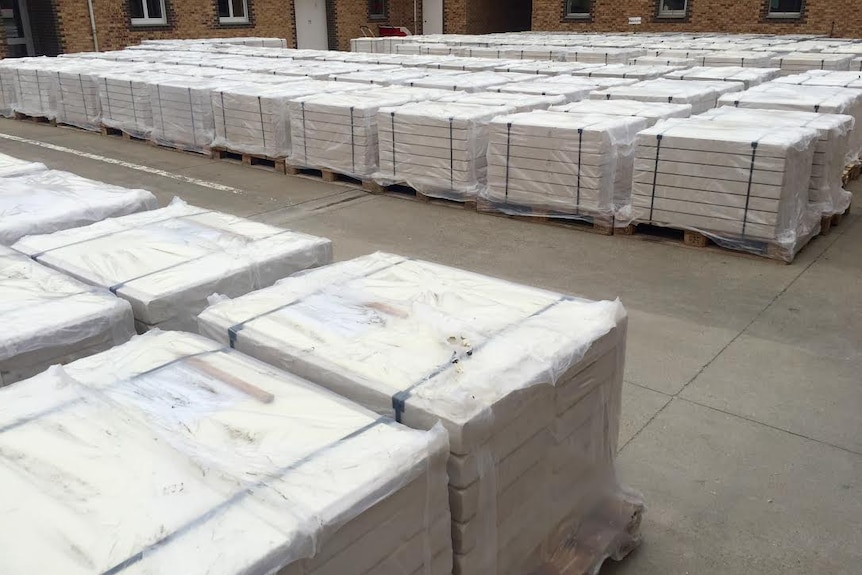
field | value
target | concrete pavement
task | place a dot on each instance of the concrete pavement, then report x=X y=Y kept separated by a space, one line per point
x=741 y=415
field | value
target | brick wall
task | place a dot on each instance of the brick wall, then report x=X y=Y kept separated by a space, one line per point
x=744 y=16
x=186 y=19
x=345 y=17
x=485 y=16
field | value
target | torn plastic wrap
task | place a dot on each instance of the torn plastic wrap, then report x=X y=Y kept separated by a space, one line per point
x=566 y=165
x=744 y=186
x=819 y=99
x=437 y=148
x=166 y=262
x=826 y=191
x=171 y=452
x=747 y=76
x=702 y=95
x=338 y=131
x=45 y=201
x=254 y=119
x=652 y=112
x=49 y=318
x=526 y=382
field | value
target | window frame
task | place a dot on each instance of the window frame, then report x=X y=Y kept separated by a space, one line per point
x=770 y=15
x=147 y=20
x=234 y=19
x=372 y=17
x=577 y=16
x=673 y=14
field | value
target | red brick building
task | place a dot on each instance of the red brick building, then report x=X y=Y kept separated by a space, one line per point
x=835 y=17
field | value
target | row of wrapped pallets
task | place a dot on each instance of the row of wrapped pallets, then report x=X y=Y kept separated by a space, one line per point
x=547 y=138
x=380 y=416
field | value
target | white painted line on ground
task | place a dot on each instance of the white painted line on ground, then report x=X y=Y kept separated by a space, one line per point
x=130 y=165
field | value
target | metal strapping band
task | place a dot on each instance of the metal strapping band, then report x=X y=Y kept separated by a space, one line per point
x=658 y=139
x=451 y=157
x=392 y=116
x=304 y=134
x=508 y=144
x=192 y=111
x=352 y=143
x=748 y=191
x=262 y=127
x=578 y=191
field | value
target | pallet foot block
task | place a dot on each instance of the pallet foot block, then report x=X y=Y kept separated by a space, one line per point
x=562 y=165
x=171 y=450
x=167 y=262
x=49 y=318
x=743 y=186
x=526 y=382
x=46 y=201
x=437 y=148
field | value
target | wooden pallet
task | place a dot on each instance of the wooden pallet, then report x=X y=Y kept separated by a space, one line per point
x=611 y=532
x=829 y=222
x=324 y=174
x=253 y=160
x=602 y=224
x=406 y=192
x=746 y=248
x=118 y=133
x=35 y=119
x=852 y=172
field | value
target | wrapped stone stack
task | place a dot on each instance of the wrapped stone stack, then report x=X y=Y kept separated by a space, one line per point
x=518 y=101
x=564 y=164
x=438 y=148
x=176 y=451
x=637 y=72
x=796 y=62
x=744 y=186
x=167 y=262
x=700 y=95
x=747 y=76
x=526 y=382
x=652 y=112
x=182 y=111
x=124 y=98
x=49 y=318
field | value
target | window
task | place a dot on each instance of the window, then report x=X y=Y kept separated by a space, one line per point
x=148 y=12
x=233 y=11
x=377 y=9
x=578 y=8
x=672 y=8
x=784 y=8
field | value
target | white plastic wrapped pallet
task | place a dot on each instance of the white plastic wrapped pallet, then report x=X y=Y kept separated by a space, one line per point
x=526 y=382
x=38 y=201
x=166 y=262
x=826 y=191
x=798 y=61
x=438 y=148
x=469 y=82
x=747 y=76
x=570 y=165
x=339 y=131
x=743 y=186
x=8 y=86
x=652 y=112
x=600 y=55
x=49 y=318
x=700 y=94
x=223 y=466
x=572 y=92
x=676 y=61
x=124 y=99
x=182 y=111
x=637 y=72
x=78 y=94
x=819 y=99
x=519 y=102
x=824 y=78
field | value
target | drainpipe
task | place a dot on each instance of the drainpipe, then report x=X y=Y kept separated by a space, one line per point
x=93 y=25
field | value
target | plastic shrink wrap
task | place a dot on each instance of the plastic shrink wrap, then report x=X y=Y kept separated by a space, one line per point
x=11 y=167
x=567 y=165
x=742 y=59
x=743 y=186
x=545 y=68
x=637 y=72
x=600 y=55
x=8 y=86
x=701 y=95
x=124 y=99
x=652 y=112
x=677 y=61
x=799 y=61
x=572 y=92
x=339 y=131
x=46 y=201
x=826 y=191
x=526 y=382
x=519 y=102
x=49 y=318
x=182 y=111
x=78 y=94
x=600 y=82
x=819 y=78
x=180 y=456
x=819 y=99
x=166 y=262
x=438 y=148
x=469 y=82
x=747 y=76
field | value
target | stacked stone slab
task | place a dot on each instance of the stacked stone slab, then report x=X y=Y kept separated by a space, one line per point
x=526 y=382
x=652 y=112
x=167 y=262
x=745 y=186
x=175 y=451
x=567 y=164
x=701 y=95
x=747 y=76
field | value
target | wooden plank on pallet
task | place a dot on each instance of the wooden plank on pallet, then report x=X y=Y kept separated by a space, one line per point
x=405 y=192
x=611 y=532
x=581 y=219
x=252 y=160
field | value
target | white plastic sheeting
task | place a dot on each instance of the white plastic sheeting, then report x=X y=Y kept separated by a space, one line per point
x=437 y=148
x=166 y=262
x=652 y=112
x=744 y=186
x=701 y=95
x=567 y=164
x=11 y=167
x=747 y=76
x=49 y=318
x=637 y=72
x=518 y=101
x=176 y=453
x=799 y=61
x=526 y=382
x=45 y=201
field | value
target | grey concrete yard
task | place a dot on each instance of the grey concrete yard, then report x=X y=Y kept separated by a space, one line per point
x=742 y=413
